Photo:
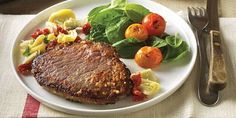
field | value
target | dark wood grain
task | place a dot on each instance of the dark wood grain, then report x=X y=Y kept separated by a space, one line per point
x=25 y=6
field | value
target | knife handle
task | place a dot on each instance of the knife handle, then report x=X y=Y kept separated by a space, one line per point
x=217 y=70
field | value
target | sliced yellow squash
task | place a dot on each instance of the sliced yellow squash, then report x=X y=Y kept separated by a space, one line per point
x=149 y=87
x=66 y=38
x=51 y=37
x=38 y=41
x=61 y=16
x=26 y=43
x=30 y=57
x=39 y=48
x=71 y=24
x=149 y=74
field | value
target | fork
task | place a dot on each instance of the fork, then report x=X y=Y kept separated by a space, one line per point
x=198 y=18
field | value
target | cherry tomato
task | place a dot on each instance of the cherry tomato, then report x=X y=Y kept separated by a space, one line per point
x=138 y=95
x=36 y=33
x=24 y=68
x=86 y=28
x=61 y=30
x=136 y=79
x=51 y=45
x=154 y=23
x=148 y=57
x=39 y=32
x=137 y=31
x=78 y=39
x=46 y=31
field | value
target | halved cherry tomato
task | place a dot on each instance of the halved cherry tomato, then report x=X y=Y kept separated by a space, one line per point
x=137 y=31
x=154 y=23
x=148 y=57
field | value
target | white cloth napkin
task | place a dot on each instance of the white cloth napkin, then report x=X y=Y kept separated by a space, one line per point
x=182 y=104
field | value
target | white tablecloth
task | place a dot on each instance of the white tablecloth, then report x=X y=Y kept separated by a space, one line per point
x=182 y=104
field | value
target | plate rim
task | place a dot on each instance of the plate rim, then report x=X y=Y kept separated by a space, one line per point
x=132 y=108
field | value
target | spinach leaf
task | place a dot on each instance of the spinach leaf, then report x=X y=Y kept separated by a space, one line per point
x=136 y=12
x=97 y=34
x=118 y=3
x=172 y=47
x=173 y=53
x=127 y=48
x=157 y=42
x=174 y=41
x=170 y=53
x=95 y=11
x=105 y=17
x=115 y=31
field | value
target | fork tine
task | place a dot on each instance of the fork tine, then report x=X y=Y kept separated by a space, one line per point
x=200 y=10
x=189 y=11
x=204 y=11
x=198 y=17
x=195 y=11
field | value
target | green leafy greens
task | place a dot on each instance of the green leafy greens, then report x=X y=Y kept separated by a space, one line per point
x=118 y=4
x=27 y=51
x=172 y=47
x=115 y=31
x=127 y=48
x=110 y=21
x=114 y=18
x=136 y=12
x=98 y=34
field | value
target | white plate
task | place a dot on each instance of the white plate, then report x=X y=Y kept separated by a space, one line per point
x=172 y=75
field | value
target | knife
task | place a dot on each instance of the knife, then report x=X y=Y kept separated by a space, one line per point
x=217 y=70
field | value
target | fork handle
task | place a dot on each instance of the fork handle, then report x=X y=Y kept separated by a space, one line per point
x=217 y=70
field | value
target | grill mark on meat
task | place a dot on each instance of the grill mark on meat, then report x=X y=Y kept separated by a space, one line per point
x=59 y=67
x=77 y=57
x=89 y=70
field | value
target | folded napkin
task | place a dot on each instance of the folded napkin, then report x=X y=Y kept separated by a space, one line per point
x=15 y=102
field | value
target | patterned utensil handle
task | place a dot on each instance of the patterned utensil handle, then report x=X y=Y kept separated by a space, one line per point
x=217 y=70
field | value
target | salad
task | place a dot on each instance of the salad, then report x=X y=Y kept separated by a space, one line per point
x=132 y=29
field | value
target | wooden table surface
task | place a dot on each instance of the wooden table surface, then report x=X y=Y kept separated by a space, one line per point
x=227 y=7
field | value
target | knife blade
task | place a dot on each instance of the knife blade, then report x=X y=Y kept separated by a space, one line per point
x=213 y=16
x=217 y=68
